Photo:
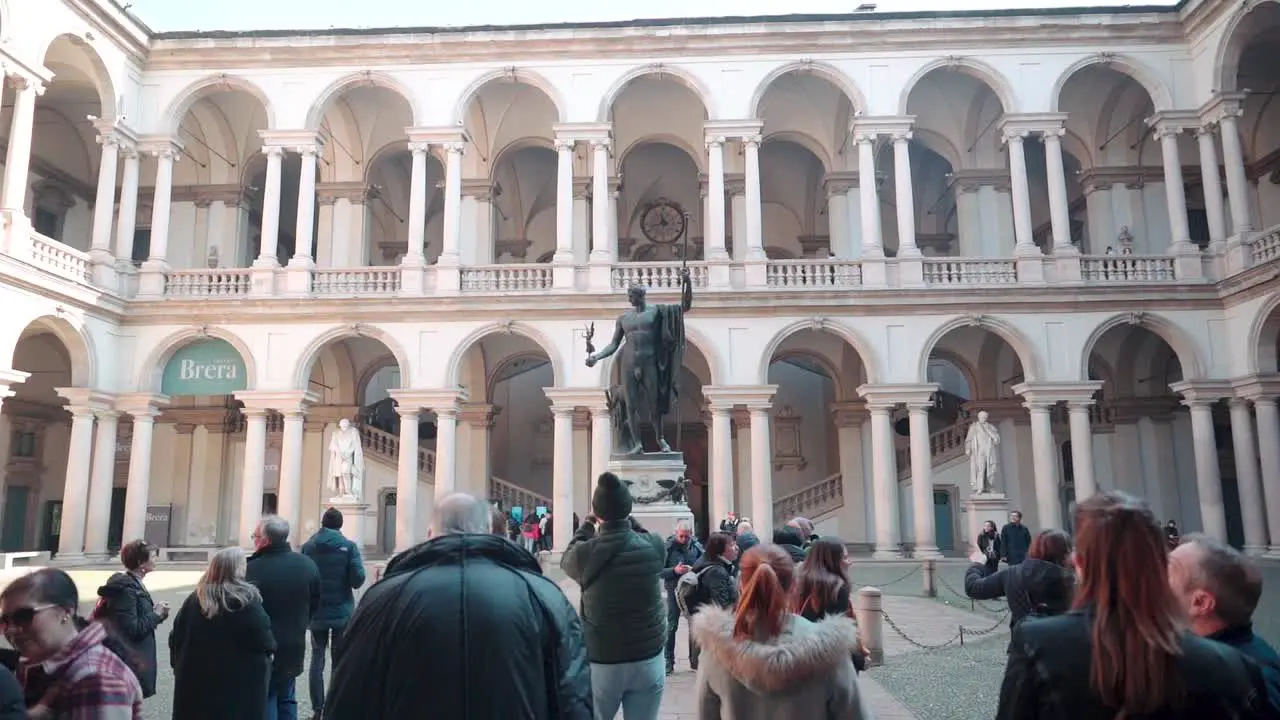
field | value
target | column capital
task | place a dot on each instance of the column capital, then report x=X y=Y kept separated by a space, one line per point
x=867 y=128
x=1221 y=106
x=840 y=181
x=113 y=131
x=970 y=180
x=731 y=129
x=283 y=401
x=478 y=414
x=849 y=413
x=444 y=400
x=436 y=135
x=299 y=141
x=1051 y=393
x=1027 y=124
x=142 y=405
x=1168 y=123
x=91 y=400
x=572 y=397
x=728 y=396
x=561 y=143
x=160 y=146
x=896 y=394
x=594 y=133
x=581 y=418
x=1202 y=392
x=1257 y=387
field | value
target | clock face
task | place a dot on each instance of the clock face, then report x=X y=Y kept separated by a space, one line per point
x=663 y=222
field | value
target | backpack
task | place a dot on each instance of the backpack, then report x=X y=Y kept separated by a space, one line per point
x=689 y=590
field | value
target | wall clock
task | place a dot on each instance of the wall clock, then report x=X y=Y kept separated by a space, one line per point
x=663 y=221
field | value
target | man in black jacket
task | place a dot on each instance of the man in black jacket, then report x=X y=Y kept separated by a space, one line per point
x=462 y=626
x=341 y=572
x=1015 y=539
x=290 y=587
x=682 y=551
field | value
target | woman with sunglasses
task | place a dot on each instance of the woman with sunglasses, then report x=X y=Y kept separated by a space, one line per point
x=66 y=670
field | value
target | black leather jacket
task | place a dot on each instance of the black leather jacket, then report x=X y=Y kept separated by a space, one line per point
x=1047 y=677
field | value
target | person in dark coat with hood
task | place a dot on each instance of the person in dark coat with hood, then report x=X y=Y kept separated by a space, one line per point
x=341 y=573
x=1041 y=585
x=290 y=587
x=789 y=539
x=126 y=610
x=462 y=626
x=220 y=646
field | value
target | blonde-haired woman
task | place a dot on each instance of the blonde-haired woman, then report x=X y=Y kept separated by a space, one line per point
x=221 y=646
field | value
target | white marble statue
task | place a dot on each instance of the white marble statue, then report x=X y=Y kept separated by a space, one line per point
x=980 y=446
x=346 y=462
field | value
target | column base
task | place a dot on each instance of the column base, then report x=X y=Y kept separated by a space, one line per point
x=1029 y=268
x=413 y=281
x=126 y=279
x=894 y=554
x=104 y=269
x=718 y=274
x=297 y=279
x=1237 y=254
x=600 y=274
x=151 y=278
x=1187 y=261
x=1068 y=266
x=875 y=273
x=926 y=552
x=448 y=276
x=872 y=252
x=911 y=271
x=262 y=279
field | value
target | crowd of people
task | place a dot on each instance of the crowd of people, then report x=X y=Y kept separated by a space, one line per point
x=1110 y=623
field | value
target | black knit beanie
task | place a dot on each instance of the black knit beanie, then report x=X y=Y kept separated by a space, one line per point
x=612 y=499
x=332 y=519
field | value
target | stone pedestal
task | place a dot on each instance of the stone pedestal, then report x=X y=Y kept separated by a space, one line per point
x=358 y=522
x=642 y=473
x=981 y=507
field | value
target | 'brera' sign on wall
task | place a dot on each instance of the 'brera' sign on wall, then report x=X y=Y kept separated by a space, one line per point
x=206 y=367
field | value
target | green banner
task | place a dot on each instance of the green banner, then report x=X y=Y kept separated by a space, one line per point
x=206 y=367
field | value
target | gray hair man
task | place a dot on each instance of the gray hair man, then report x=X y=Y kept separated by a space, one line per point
x=1219 y=587
x=424 y=636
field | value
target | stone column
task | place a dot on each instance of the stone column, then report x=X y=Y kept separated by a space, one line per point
x=407 y=479
x=601 y=440
x=75 y=491
x=714 y=240
x=1269 y=452
x=1237 y=183
x=562 y=477
x=1059 y=215
x=452 y=203
x=838 y=220
x=255 y=458
x=926 y=545
x=1213 y=514
x=884 y=471
x=872 y=240
x=446 y=451
x=104 y=205
x=751 y=181
x=1022 y=229
x=1249 y=485
x=1212 y=182
x=1081 y=450
x=127 y=219
x=98 y=521
x=306 y=221
x=849 y=417
x=17 y=163
x=721 y=469
x=153 y=270
x=906 y=211
x=1045 y=461
x=1175 y=193
x=135 y=498
x=761 y=469
x=564 y=202
x=289 y=497
x=268 y=249
x=602 y=241
x=417 y=222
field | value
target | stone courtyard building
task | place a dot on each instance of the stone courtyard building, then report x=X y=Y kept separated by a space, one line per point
x=217 y=245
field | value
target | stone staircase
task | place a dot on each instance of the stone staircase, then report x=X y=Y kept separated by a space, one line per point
x=384 y=448
x=511 y=495
x=816 y=502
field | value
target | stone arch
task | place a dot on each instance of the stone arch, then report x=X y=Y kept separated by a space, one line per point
x=75 y=338
x=684 y=77
x=453 y=370
x=1226 y=65
x=515 y=146
x=829 y=72
x=152 y=371
x=223 y=82
x=870 y=364
x=843 y=389
x=1022 y=346
x=513 y=74
x=805 y=141
x=1264 y=334
x=1177 y=339
x=302 y=373
x=964 y=366
x=665 y=139
x=360 y=79
x=1161 y=97
x=101 y=76
x=492 y=377
x=977 y=69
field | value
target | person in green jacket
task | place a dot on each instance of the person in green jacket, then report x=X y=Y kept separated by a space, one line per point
x=617 y=564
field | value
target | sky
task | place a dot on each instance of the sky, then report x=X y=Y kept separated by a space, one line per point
x=166 y=15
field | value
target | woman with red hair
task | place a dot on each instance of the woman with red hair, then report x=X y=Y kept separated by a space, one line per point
x=764 y=661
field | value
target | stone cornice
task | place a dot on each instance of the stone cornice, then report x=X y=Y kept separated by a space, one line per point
x=583 y=132
x=965 y=181
x=865 y=126
x=434 y=400
x=1196 y=392
x=292 y=140
x=1222 y=104
x=1104 y=178
x=284 y=401
x=436 y=135
x=354 y=191
x=1054 y=392
x=840 y=181
x=752 y=396
x=575 y=397
x=1257 y=387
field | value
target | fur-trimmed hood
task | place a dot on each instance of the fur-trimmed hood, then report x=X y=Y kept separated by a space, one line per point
x=803 y=650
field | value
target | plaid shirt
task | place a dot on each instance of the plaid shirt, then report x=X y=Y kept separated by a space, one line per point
x=87 y=682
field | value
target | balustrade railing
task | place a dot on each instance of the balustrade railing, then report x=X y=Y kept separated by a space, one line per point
x=1266 y=246
x=959 y=271
x=811 y=502
x=58 y=258
x=356 y=281
x=506 y=278
x=1126 y=268
x=944 y=445
x=233 y=282
x=657 y=275
x=825 y=273
x=510 y=496
x=386 y=446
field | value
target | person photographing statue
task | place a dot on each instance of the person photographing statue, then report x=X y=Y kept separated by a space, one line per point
x=652 y=357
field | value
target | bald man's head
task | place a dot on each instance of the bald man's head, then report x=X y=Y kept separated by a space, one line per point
x=461 y=513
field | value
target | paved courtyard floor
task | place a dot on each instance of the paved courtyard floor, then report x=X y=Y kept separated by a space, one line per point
x=928 y=674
